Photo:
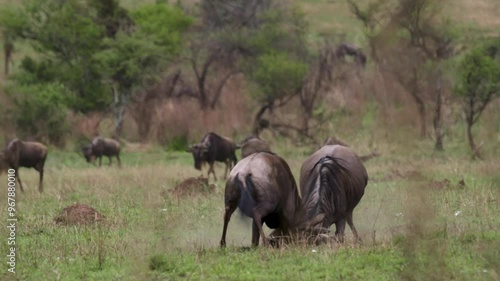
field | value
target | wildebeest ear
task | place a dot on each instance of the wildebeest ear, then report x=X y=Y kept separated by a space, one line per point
x=317 y=220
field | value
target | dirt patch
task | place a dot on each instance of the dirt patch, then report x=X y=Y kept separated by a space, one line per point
x=79 y=214
x=447 y=184
x=192 y=186
x=396 y=174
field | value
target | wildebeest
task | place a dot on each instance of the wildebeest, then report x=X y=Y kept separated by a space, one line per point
x=24 y=154
x=252 y=145
x=334 y=140
x=332 y=182
x=102 y=147
x=214 y=148
x=263 y=188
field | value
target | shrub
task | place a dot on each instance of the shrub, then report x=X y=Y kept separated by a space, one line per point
x=40 y=111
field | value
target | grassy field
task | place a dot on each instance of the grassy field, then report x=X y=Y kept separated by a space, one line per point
x=414 y=225
x=416 y=220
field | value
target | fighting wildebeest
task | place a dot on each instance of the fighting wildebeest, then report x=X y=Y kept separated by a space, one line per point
x=263 y=188
x=24 y=154
x=102 y=147
x=332 y=182
x=214 y=148
x=252 y=145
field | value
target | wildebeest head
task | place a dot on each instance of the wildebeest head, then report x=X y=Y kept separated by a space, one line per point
x=87 y=153
x=199 y=152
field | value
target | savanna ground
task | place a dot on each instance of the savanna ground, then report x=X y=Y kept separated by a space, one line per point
x=414 y=224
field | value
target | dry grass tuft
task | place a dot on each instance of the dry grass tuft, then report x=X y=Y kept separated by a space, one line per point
x=79 y=214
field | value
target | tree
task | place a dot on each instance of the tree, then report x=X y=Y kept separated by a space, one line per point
x=64 y=36
x=407 y=39
x=478 y=84
x=128 y=59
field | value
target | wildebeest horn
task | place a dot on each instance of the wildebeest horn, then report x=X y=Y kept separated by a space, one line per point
x=316 y=220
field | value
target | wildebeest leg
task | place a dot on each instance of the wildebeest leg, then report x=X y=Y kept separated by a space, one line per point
x=255 y=234
x=39 y=168
x=340 y=229
x=100 y=161
x=354 y=231
x=109 y=157
x=259 y=212
x=228 y=167
x=211 y=169
x=19 y=179
x=227 y=216
x=119 y=161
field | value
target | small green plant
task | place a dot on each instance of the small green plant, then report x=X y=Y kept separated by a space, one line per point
x=178 y=143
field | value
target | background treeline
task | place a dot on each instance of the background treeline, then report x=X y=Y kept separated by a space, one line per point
x=163 y=72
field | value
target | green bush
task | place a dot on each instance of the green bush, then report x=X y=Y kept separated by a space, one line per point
x=40 y=110
x=277 y=75
x=178 y=143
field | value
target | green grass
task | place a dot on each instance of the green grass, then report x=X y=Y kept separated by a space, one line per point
x=409 y=227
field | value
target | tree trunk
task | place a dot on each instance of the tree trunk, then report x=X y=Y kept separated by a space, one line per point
x=438 y=118
x=469 y=136
x=259 y=124
x=8 y=50
x=423 y=120
x=120 y=105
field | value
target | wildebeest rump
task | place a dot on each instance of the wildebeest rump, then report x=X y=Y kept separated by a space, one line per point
x=214 y=148
x=332 y=182
x=102 y=147
x=252 y=145
x=263 y=188
x=25 y=154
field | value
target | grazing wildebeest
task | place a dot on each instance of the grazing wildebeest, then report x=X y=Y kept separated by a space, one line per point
x=102 y=146
x=332 y=182
x=263 y=188
x=252 y=145
x=24 y=154
x=214 y=148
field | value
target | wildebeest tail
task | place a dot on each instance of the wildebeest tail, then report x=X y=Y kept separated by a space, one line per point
x=319 y=200
x=247 y=190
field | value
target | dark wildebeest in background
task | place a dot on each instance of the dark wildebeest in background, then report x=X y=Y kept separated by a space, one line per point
x=336 y=141
x=24 y=154
x=252 y=145
x=332 y=182
x=214 y=148
x=102 y=147
x=263 y=188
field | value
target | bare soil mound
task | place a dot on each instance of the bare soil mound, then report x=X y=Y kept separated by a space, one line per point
x=192 y=186
x=79 y=214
